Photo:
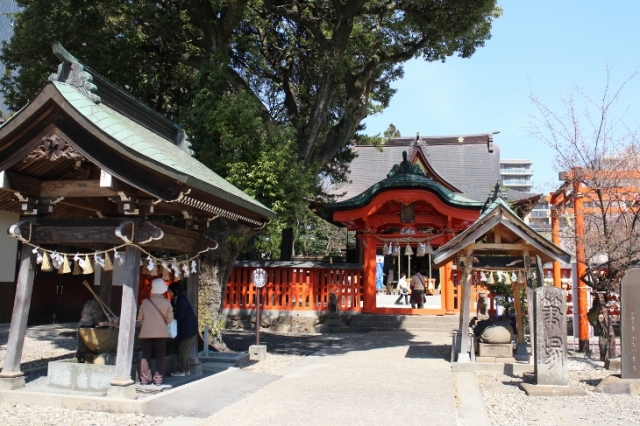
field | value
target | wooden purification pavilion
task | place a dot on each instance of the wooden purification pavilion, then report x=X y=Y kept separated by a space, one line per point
x=498 y=241
x=88 y=166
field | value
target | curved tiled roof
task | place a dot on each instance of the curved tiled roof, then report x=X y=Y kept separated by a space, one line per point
x=167 y=157
x=406 y=181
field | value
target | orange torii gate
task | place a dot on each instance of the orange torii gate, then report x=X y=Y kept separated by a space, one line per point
x=574 y=182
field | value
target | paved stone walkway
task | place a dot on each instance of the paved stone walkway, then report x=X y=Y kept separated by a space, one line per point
x=368 y=379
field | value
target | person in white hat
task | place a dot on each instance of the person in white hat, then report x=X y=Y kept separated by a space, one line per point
x=155 y=313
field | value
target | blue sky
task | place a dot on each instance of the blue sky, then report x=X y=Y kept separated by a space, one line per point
x=542 y=47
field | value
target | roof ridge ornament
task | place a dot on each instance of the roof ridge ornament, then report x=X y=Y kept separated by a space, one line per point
x=405 y=167
x=498 y=192
x=72 y=72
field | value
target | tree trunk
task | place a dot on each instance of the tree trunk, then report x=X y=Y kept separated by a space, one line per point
x=215 y=268
x=607 y=336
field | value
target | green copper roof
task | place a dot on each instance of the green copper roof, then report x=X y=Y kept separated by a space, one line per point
x=169 y=158
x=406 y=181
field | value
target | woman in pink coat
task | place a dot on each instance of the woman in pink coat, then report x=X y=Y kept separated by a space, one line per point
x=155 y=313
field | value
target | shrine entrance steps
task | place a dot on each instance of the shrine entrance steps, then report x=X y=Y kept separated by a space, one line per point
x=371 y=322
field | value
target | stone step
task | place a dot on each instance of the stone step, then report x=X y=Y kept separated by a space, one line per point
x=398 y=329
x=406 y=319
x=365 y=323
x=395 y=324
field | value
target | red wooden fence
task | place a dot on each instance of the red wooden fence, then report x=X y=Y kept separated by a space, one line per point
x=295 y=289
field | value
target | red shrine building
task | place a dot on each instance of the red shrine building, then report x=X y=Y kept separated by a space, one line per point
x=408 y=200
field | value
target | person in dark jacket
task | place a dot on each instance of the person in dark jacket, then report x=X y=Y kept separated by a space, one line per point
x=417 y=287
x=187 y=327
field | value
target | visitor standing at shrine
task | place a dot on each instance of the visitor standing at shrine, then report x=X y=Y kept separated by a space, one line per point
x=155 y=313
x=403 y=288
x=187 y=327
x=418 y=288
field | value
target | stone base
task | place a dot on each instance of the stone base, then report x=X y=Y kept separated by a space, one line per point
x=195 y=367
x=498 y=350
x=12 y=383
x=615 y=385
x=322 y=328
x=257 y=352
x=333 y=319
x=122 y=392
x=521 y=349
x=236 y=359
x=548 y=390
x=69 y=374
x=613 y=364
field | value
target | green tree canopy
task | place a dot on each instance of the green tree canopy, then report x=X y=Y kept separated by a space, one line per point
x=271 y=92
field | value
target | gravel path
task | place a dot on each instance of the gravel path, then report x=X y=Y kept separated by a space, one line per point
x=507 y=405
x=24 y=415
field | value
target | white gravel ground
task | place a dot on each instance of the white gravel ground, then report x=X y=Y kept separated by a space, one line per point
x=39 y=350
x=272 y=364
x=507 y=405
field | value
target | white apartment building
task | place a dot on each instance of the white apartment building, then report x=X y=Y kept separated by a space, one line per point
x=516 y=174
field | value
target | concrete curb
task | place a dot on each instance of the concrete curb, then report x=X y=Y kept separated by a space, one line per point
x=498 y=368
x=95 y=403
x=471 y=408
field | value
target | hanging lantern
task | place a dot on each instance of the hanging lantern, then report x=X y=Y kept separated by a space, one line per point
x=108 y=265
x=385 y=249
x=46 y=263
x=421 y=250
x=491 y=281
x=408 y=251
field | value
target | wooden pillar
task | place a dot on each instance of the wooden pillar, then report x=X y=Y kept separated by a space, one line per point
x=122 y=386
x=521 y=348
x=192 y=295
x=581 y=263
x=11 y=377
x=106 y=284
x=555 y=239
x=446 y=278
x=369 y=272
x=465 y=341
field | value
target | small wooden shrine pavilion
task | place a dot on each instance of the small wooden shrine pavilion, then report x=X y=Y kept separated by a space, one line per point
x=89 y=167
x=498 y=241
